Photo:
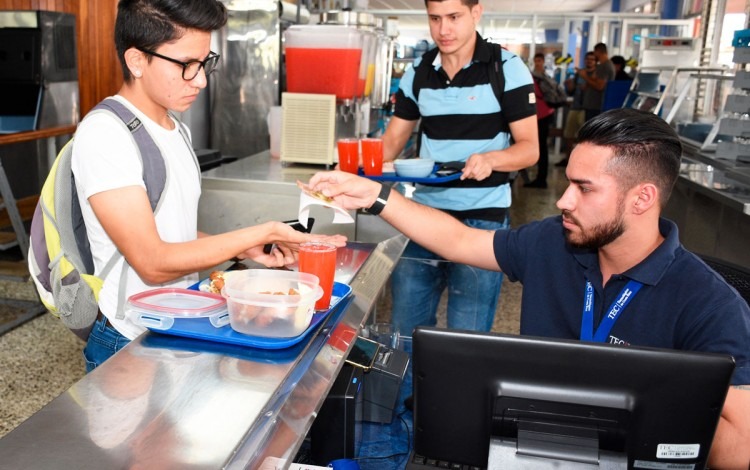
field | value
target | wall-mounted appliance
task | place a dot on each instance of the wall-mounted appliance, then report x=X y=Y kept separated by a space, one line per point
x=38 y=70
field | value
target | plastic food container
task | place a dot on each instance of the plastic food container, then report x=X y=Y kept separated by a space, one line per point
x=157 y=309
x=414 y=167
x=323 y=59
x=271 y=303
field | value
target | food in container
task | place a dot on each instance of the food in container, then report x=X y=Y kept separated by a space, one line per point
x=271 y=303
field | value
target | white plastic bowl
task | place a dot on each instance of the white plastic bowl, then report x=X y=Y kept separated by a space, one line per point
x=260 y=304
x=414 y=167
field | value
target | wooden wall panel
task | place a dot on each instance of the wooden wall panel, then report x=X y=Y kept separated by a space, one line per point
x=99 y=72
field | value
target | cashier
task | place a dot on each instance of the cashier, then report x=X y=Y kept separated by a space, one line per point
x=609 y=268
x=163 y=47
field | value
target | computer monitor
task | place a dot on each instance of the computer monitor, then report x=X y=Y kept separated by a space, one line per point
x=563 y=403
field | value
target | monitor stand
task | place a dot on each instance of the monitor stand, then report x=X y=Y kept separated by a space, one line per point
x=540 y=450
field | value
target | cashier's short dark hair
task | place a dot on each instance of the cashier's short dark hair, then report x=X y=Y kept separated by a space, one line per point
x=150 y=23
x=645 y=148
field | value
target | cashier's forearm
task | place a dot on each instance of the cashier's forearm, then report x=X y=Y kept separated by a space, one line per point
x=440 y=233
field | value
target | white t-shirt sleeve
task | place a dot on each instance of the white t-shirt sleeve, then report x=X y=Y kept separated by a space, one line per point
x=105 y=156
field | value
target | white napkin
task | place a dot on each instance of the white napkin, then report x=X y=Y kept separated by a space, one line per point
x=340 y=215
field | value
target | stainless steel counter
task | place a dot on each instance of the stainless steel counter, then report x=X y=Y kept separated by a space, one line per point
x=711 y=206
x=260 y=188
x=171 y=403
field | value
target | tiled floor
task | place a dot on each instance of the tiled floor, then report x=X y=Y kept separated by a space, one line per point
x=41 y=359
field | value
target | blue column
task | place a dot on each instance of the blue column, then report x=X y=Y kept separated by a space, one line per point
x=585 y=32
x=669 y=11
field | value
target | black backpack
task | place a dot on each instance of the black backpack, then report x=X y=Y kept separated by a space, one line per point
x=552 y=92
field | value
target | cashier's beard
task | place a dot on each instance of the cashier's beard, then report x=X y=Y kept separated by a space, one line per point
x=598 y=235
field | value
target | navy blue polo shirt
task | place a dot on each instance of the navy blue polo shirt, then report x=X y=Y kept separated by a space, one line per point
x=683 y=303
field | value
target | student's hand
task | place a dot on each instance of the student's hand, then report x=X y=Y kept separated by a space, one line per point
x=286 y=241
x=348 y=190
x=478 y=167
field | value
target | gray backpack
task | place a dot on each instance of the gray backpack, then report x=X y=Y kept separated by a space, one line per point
x=60 y=260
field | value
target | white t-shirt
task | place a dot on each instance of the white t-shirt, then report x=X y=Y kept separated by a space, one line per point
x=105 y=157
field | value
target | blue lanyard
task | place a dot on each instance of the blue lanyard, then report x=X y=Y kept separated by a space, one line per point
x=622 y=301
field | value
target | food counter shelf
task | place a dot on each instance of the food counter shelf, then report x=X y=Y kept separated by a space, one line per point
x=711 y=206
x=168 y=402
x=724 y=185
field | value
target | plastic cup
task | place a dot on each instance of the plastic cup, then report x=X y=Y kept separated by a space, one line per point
x=348 y=155
x=319 y=258
x=372 y=156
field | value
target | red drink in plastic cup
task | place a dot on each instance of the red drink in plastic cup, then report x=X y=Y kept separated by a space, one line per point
x=348 y=155
x=319 y=258
x=372 y=156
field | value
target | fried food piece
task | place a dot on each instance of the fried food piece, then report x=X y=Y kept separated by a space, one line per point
x=217 y=282
x=316 y=194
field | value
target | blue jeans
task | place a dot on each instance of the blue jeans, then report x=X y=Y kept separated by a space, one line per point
x=421 y=277
x=103 y=342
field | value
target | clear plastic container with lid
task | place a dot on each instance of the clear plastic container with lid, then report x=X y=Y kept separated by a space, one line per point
x=271 y=303
x=323 y=59
x=158 y=308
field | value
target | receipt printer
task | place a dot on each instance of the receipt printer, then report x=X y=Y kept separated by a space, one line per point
x=382 y=383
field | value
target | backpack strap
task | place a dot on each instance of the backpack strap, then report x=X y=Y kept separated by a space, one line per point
x=497 y=74
x=154 y=177
x=154 y=168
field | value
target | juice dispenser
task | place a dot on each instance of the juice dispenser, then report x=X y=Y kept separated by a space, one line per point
x=322 y=67
x=332 y=71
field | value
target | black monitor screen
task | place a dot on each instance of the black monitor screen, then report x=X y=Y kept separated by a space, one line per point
x=564 y=401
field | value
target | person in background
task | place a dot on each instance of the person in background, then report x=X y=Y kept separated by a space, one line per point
x=163 y=47
x=544 y=115
x=575 y=86
x=609 y=242
x=619 y=62
x=461 y=120
x=596 y=83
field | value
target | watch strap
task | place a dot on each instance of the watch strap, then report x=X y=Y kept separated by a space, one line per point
x=377 y=207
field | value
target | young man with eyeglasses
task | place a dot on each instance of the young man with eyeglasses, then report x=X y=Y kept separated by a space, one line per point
x=163 y=47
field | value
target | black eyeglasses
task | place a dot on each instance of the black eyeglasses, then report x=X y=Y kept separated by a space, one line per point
x=190 y=68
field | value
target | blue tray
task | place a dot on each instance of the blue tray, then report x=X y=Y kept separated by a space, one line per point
x=432 y=179
x=201 y=328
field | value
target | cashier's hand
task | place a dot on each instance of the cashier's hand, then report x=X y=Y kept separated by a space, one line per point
x=348 y=190
x=478 y=167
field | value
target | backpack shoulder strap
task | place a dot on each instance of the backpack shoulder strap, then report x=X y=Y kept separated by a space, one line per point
x=154 y=168
x=497 y=74
x=422 y=70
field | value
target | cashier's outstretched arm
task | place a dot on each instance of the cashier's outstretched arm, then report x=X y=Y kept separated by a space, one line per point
x=431 y=228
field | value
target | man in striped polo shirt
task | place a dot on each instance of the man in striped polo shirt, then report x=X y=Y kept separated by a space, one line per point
x=476 y=104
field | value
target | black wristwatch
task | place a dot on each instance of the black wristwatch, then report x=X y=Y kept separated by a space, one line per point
x=377 y=207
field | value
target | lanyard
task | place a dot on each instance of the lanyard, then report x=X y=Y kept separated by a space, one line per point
x=587 y=323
